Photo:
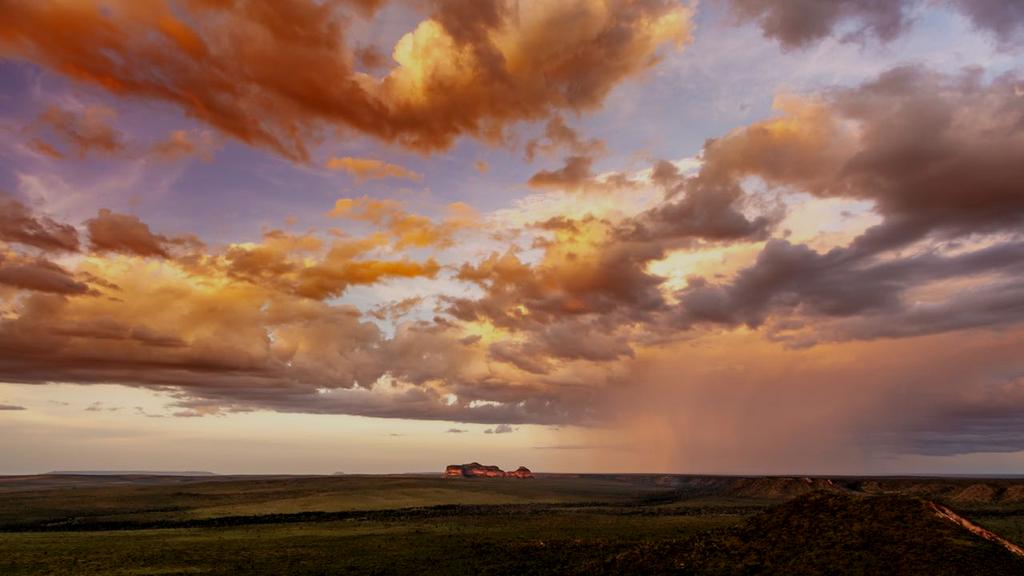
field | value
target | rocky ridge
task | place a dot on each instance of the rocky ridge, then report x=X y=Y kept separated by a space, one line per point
x=477 y=470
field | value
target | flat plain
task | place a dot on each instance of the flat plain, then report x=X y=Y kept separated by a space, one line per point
x=422 y=524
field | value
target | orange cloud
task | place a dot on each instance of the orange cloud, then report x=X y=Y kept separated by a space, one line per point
x=86 y=131
x=185 y=143
x=45 y=149
x=294 y=265
x=408 y=230
x=370 y=169
x=18 y=224
x=124 y=233
x=573 y=175
x=38 y=275
x=275 y=74
x=559 y=136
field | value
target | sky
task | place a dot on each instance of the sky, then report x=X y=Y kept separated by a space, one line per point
x=381 y=236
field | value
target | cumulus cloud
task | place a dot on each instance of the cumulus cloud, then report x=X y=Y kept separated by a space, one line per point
x=274 y=75
x=936 y=157
x=933 y=157
x=576 y=325
x=126 y=234
x=500 y=429
x=248 y=327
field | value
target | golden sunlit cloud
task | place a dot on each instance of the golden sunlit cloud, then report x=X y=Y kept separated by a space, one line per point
x=468 y=69
x=368 y=169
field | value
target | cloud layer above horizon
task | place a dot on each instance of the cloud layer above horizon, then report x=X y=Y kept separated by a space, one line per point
x=849 y=261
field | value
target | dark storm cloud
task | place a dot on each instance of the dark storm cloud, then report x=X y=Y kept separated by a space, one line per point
x=938 y=157
x=986 y=415
x=939 y=154
x=794 y=278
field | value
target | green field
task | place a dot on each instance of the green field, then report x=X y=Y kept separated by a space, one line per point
x=427 y=525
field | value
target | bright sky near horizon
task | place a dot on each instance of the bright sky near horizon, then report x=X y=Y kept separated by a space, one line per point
x=309 y=236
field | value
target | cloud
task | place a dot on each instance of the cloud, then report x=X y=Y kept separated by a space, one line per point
x=126 y=234
x=99 y=407
x=19 y=225
x=936 y=158
x=11 y=408
x=797 y=23
x=455 y=431
x=789 y=277
x=699 y=209
x=186 y=143
x=1004 y=18
x=39 y=275
x=284 y=262
x=89 y=130
x=276 y=75
x=41 y=147
x=249 y=328
x=500 y=429
x=368 y=169
x=562 y=315
x=408 y=230
x=575 y=172
x=396 y=310
x=559 y=136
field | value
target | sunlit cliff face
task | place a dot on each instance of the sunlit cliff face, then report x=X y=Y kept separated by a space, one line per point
x=583 y=228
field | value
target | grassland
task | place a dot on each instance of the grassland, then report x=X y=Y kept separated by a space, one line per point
x=425 y=525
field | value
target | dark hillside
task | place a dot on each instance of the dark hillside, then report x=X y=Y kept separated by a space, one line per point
x=830 y=533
